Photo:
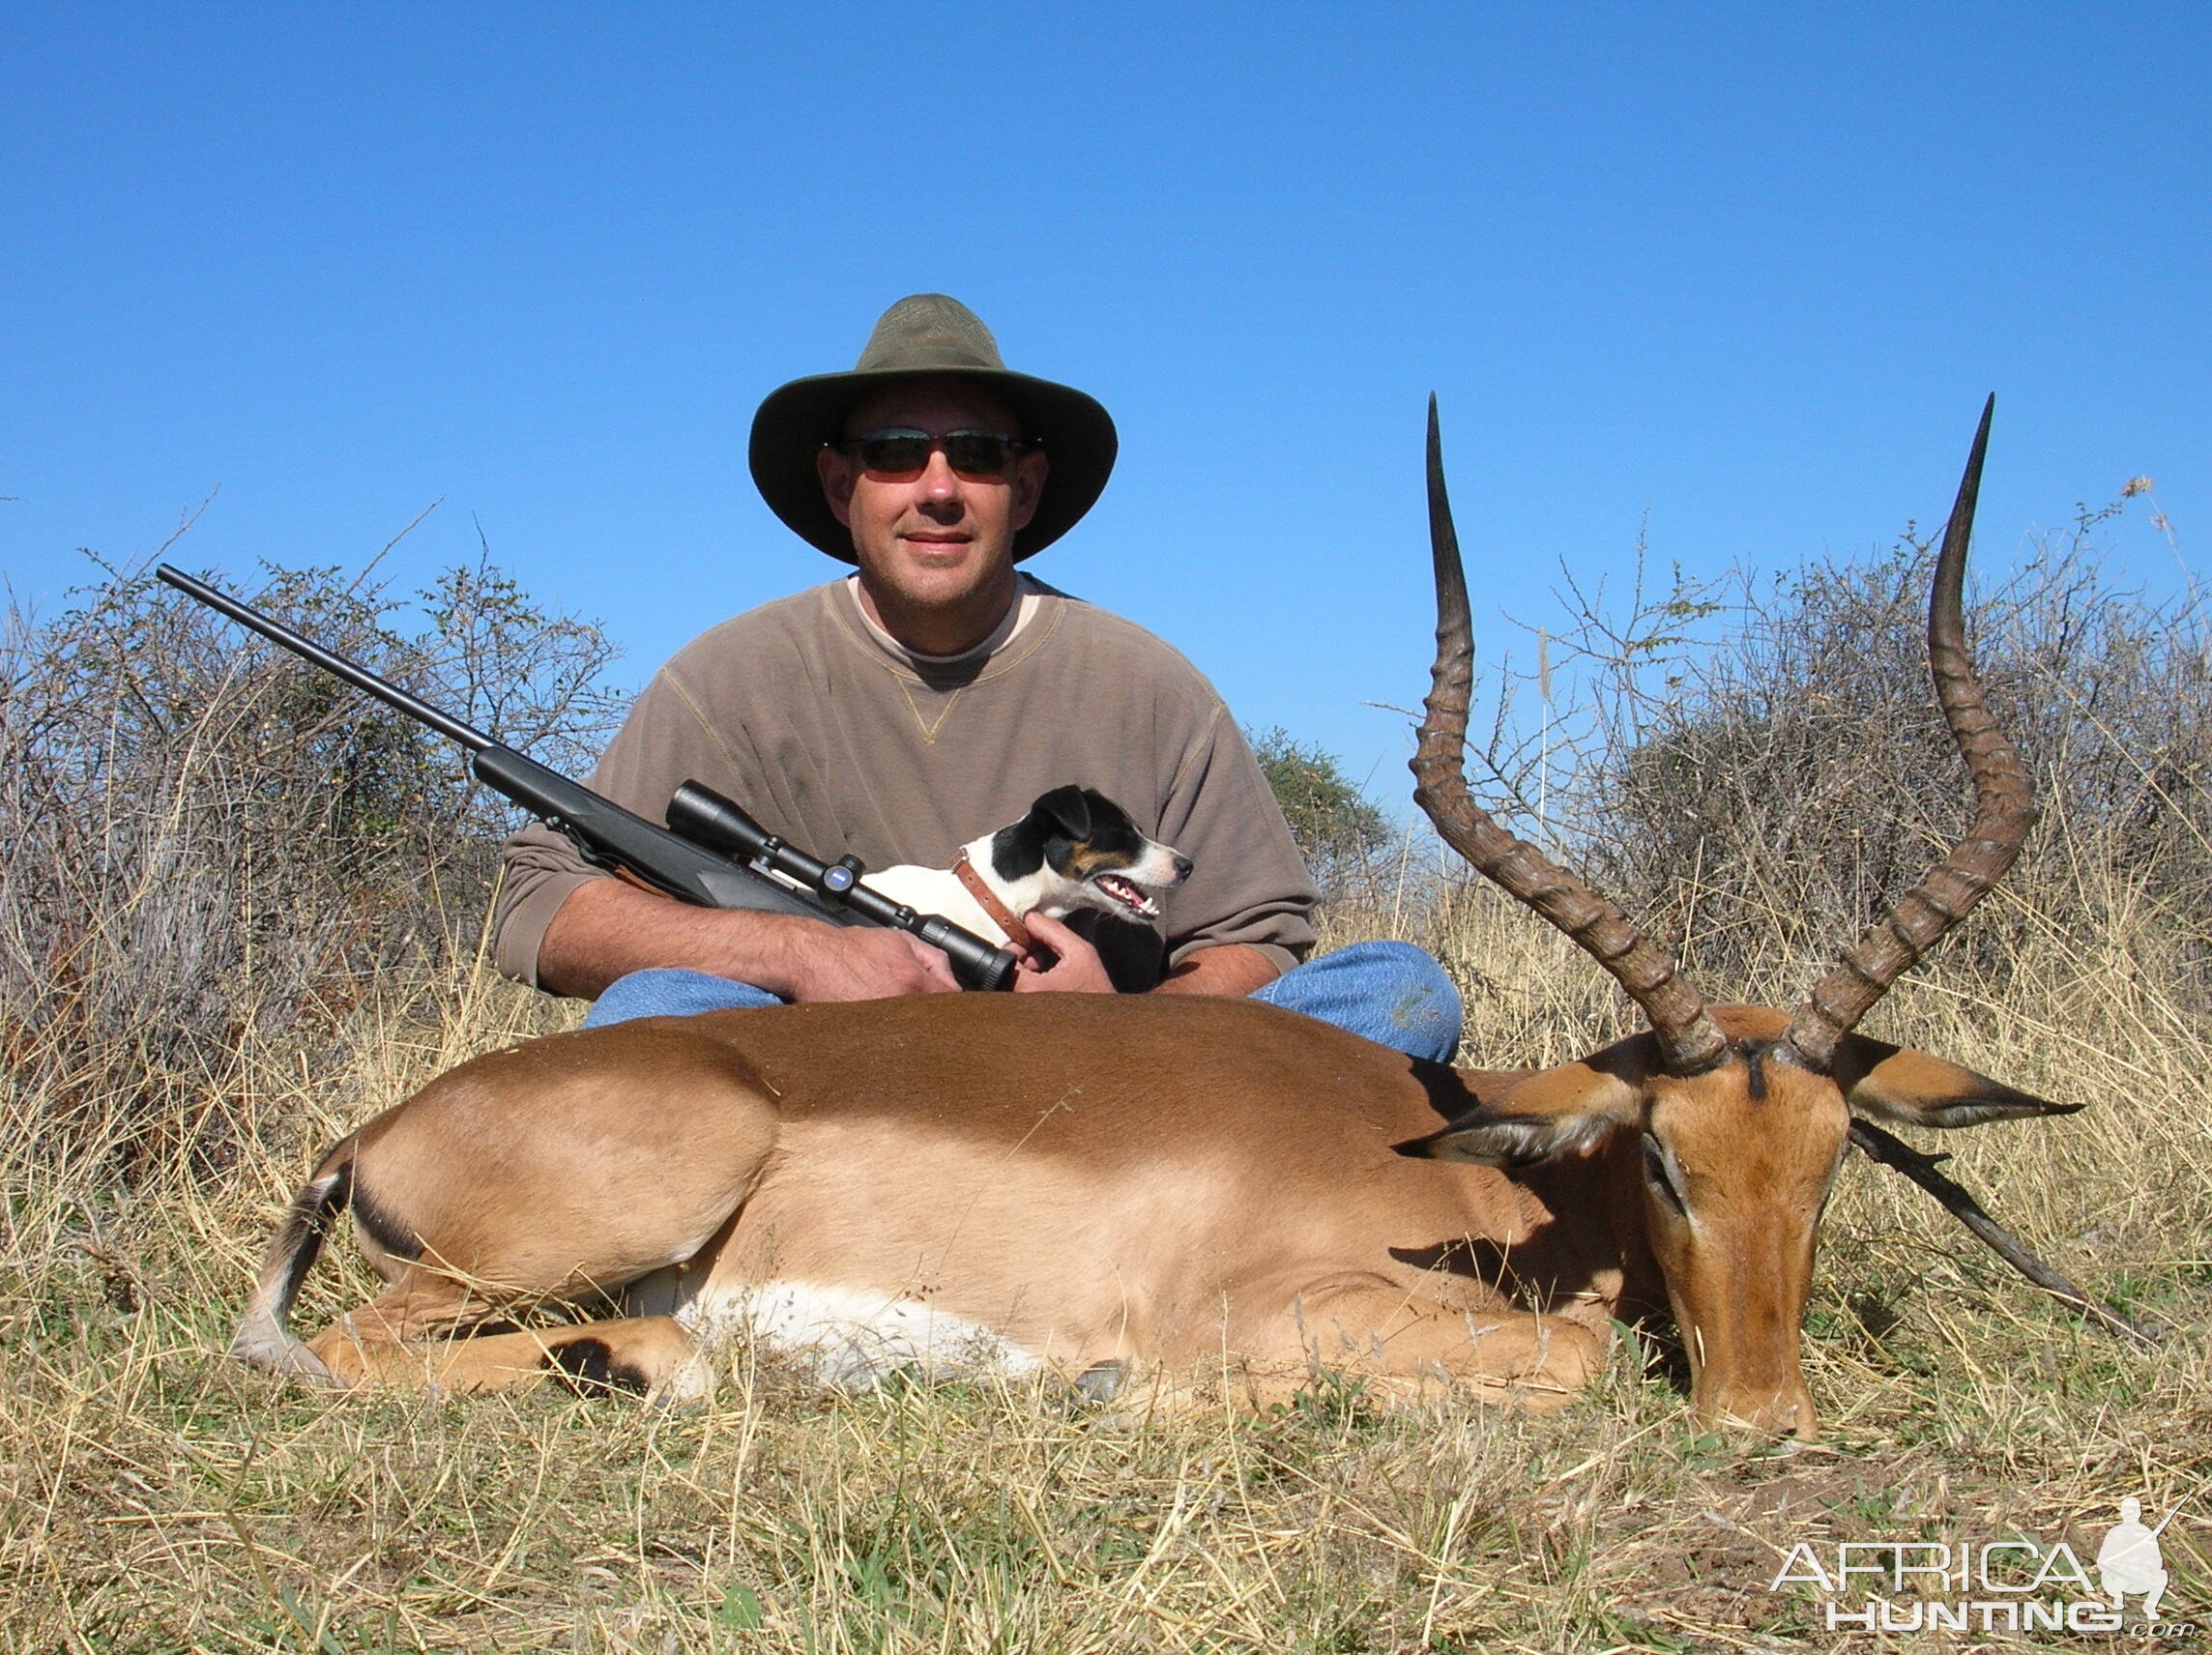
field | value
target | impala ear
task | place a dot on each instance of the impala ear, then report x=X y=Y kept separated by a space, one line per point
x=1898 y=1083
x=1554 y=1112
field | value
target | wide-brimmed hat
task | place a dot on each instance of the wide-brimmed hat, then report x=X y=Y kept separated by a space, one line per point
x=929 y=336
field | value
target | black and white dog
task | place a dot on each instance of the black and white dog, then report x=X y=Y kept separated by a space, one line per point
x=1075 y=848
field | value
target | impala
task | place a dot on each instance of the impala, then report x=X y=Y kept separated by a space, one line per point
x=1102 y=1186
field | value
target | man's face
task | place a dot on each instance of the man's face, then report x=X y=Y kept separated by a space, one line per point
x=939 y=538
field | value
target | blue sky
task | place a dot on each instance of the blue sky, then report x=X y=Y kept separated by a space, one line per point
x=1736 y=277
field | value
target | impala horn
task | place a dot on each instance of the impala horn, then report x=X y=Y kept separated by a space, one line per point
x=2004 y=810
x=1690 y=1041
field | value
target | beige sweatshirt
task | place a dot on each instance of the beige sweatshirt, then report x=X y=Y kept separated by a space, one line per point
x=830 y=734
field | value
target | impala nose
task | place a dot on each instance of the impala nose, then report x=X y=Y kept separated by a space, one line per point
x=1786 y=1413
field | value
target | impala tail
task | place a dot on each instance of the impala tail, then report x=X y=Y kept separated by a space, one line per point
x=263 y=1340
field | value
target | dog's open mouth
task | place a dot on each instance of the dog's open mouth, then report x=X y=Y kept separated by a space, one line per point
x=1130 y=897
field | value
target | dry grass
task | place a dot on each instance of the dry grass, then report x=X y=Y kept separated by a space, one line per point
x=154 y=1497
x=158 y=1497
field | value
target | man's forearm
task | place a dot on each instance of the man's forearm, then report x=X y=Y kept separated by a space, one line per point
x=608 y=929
x=1233 y=969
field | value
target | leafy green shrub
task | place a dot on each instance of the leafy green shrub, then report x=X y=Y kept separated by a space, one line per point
x=1337 y=826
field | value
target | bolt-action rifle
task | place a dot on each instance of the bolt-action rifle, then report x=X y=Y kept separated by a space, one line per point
x=711 y=853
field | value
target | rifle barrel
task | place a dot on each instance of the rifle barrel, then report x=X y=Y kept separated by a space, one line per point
x=360 y=677
x=687 y=859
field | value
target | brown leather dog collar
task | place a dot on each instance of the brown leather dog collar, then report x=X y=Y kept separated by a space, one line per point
x=1001 y=915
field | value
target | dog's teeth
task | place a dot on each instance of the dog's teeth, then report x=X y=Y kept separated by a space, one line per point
x=1129 y=895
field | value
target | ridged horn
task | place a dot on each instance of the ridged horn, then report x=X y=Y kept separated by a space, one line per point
x=2004 y=809
x=1690 y=1041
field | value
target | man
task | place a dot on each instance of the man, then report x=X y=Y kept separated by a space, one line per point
x=2130 y=1561
x=928 y=699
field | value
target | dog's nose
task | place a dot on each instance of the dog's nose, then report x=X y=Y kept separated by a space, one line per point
x=1182 y=867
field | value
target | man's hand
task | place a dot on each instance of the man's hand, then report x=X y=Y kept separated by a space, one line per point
x=863 y=963
x=1232 y=969
x=1079 y=971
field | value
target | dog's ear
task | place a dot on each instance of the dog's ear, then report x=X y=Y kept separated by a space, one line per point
x=1064 y=808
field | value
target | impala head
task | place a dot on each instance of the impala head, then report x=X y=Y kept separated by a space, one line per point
x=1740 y=1114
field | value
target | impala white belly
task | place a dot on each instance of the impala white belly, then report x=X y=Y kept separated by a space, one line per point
x=853 y=1338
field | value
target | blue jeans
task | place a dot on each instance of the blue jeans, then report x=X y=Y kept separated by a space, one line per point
x=1391 y=993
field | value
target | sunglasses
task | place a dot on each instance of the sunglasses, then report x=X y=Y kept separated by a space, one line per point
x=904 y=453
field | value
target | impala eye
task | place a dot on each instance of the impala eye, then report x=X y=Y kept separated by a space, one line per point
x=1655 y=1174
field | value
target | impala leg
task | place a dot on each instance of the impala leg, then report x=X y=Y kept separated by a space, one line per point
x=1508 y=1355
x=553 y=1173
x=417 y=1334
x=409 y=1338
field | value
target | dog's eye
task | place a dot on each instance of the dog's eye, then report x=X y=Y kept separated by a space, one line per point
x=1655 y=1174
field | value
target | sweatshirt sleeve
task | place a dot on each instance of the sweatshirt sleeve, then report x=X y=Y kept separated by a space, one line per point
x=1249 y=884
x=663 y=744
